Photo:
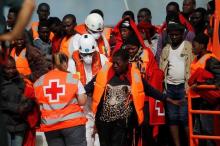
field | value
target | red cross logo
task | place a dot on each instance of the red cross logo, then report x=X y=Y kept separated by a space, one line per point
x=159 y=108
x=54 y=90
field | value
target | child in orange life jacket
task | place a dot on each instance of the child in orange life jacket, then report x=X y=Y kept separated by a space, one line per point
x=60 y=95
x=88 y=61
x=204 y=124
x=118 y=99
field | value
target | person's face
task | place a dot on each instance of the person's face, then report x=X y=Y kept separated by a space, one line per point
x=56 y=29
x=125 y=33
x=68 y=26
x=20 y=42
x=188 y=6
x=196 y=18
x=43 y=13
x=9 y=69
x=44 y=34
x=176 y=37
x=132 y=50
x=11 y=19
x=143 y=16
x=197 y=48
x=119 y=66
x=171 y=9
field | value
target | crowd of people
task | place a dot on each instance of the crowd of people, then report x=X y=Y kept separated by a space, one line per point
x=92 y=85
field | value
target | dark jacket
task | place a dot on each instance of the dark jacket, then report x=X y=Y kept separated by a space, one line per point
x=11 y=103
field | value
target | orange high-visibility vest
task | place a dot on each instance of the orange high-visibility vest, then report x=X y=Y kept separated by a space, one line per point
x=21 y=61
x=64 y=46
x=81 y=29
x=200 y=63
x=96 y=65
x=56 y=94
x=137 y=89
x=34 y=28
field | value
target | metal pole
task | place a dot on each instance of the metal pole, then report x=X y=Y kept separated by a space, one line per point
x=126 y=5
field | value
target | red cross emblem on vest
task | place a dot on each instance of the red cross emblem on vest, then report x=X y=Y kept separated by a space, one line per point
x=54 y=90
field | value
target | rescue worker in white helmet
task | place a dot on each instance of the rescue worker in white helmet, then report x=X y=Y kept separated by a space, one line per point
x=94 y=25
x=88 y=61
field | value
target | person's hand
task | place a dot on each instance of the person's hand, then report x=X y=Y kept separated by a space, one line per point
x=94 y=131
x=176 y=102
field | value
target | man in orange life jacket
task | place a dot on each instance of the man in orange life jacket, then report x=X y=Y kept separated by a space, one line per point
x=43 y=12
x=29 y=60
x=88 y=62
x=66 y=46
x=94 y=25
x=118 y=99
x=60 y=95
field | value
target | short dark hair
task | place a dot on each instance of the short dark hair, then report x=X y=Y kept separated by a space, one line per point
x=98 y=11
x=71 y=16
x=123 y=54
x=202 y=39
x=129 y=13
x=146 y=10
x=54 y=21
x=44 y=4
x=202 y=11
x=175 y=4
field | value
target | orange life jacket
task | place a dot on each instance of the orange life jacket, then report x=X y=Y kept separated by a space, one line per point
x=56 y=94
x=64 y=46
x=34 y=28
x=200 y=63
x=137 y=89
x=96 y=65
x=103 y=49
x=21 y=61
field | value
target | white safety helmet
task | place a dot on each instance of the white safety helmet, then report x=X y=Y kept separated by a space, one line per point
x=94 y=22
x=87 y=44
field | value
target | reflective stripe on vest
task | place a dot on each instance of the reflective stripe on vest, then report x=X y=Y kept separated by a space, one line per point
x=21 y=61
x=65 y=118
x=57 y=106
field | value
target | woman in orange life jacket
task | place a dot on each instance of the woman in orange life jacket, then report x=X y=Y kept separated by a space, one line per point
x=118 y=99
x=60 y=95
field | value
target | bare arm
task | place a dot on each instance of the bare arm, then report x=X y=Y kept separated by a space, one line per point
x=82 y=98
x=23 y=19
